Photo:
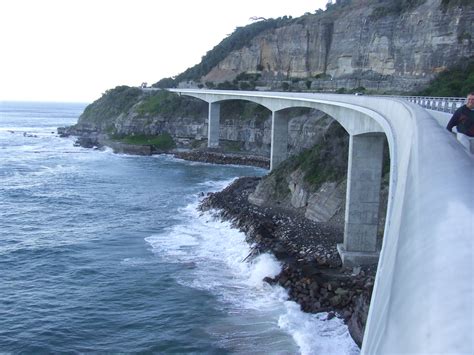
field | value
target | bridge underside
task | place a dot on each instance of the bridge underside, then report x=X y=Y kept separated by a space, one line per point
x=364 y=166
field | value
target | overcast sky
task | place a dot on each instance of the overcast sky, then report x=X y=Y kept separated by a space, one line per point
x=74 y=50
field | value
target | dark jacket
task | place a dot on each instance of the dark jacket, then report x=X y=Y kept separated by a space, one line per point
x=463 y=119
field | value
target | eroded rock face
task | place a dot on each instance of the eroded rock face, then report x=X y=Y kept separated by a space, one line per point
x=326 y=202
x=359 y=46
x=250 y=134
x=263 y=193
x=299 y=191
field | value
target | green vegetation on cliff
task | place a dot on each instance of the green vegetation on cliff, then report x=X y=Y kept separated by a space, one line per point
x=238 y=109
x=235 y=41
x=112 y=103
x=393 y=7
x=325 y=161
x=457 y=81
x=167 y=104
x=124 y=100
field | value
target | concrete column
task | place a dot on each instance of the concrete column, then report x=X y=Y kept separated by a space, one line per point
x=279 y=143
x=213 y=125
x=362 y=200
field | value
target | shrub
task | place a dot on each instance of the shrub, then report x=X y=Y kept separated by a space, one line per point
x=168 y=104
x=111 y=104
x=235 y=41
x=227 y=85
x=318 y=163
x=454 y=82
x=165 y=83
x=244 y=110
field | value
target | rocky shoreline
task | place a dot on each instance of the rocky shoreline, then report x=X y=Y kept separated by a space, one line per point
x=312 y=271
x=216 y=157
x=213 y=156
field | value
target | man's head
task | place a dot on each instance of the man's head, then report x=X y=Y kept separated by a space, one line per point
x=470 y=100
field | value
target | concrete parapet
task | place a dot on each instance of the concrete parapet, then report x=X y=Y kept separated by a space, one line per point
x=467 y=142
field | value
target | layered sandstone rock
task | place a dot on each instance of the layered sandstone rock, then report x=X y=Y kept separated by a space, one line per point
x=360 y=44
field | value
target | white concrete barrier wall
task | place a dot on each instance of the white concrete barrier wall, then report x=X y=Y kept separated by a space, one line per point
x=423 y=296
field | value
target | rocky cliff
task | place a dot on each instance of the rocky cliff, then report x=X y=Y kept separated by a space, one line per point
x=244 y=127
x=382 y=45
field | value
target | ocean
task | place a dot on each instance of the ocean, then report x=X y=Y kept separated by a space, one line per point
x=107 y=253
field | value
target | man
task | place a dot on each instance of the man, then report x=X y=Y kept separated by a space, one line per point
x=463 y=118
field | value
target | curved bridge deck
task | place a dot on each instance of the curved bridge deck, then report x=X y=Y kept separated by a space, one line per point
x=424 y=291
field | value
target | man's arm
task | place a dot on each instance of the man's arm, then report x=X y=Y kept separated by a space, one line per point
x=454 y=120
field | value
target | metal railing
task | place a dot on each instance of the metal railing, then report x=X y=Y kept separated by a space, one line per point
x=443 y=104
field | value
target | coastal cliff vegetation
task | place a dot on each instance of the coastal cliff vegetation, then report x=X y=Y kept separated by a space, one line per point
x=454 y=82
x=325 y=161
x=168 y=105
x=111 y=104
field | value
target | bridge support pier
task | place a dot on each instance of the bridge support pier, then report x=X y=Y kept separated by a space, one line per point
x=213 y=125
x=362 y=200
x=279 y=141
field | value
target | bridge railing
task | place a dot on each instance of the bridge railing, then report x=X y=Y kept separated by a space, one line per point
x=443 y=104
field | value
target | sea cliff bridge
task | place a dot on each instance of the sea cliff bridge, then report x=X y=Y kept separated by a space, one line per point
x=423 y=295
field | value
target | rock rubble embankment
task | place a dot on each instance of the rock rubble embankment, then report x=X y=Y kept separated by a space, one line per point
x=95 y=139
x=223 y=158
x=311 y=268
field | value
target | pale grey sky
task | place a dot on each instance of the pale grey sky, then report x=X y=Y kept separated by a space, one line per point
x=74 y=50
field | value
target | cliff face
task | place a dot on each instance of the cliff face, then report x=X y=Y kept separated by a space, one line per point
x=362 y=44
x=245 y=129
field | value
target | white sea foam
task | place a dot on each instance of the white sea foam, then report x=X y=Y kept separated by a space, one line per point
x=216 y=251
x=215 y=185
x=133 y=262
x=314 y=334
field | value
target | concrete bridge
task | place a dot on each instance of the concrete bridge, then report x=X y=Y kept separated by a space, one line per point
x=424 y=290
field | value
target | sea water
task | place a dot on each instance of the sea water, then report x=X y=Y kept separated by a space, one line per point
x=108 y=253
